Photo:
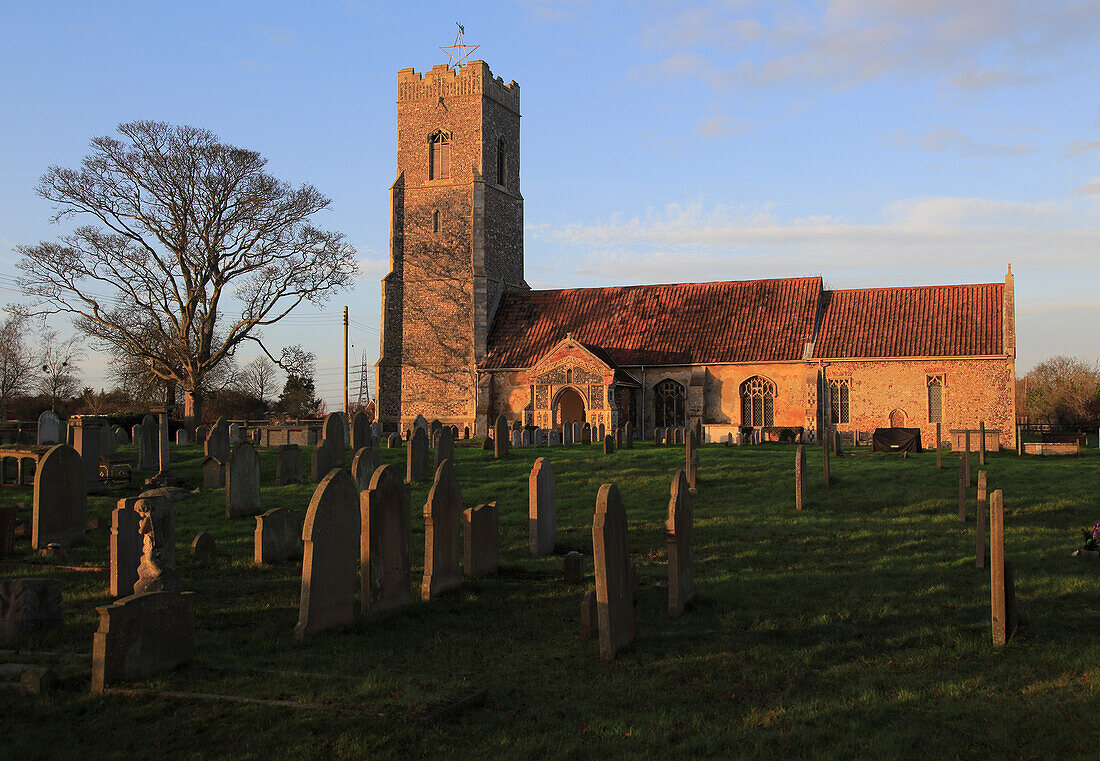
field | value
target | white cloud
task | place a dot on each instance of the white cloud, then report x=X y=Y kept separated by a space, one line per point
x=953 y=140
x=1079 y=147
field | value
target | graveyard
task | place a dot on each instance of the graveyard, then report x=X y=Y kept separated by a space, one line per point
x=857 y=626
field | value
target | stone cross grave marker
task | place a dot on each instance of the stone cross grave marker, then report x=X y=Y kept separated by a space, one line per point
x=60 y=505
x=614 y=596
x=416 y=457
x=680 y=538
x=330 y=556
x=481 y=541
x=242 y=482
x=278 y=536
x=442 y=515
x=384 y=544
x=542 y=518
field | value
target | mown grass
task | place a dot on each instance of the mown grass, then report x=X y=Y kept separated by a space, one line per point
x=858 y=628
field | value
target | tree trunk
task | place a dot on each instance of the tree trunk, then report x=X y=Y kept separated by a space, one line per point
x=192 y=409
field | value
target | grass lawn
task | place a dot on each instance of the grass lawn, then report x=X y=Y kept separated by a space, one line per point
x=858 y=628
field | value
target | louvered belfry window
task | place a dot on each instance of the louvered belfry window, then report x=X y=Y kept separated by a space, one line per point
x=439 y=159
x=935 y=399
x=758 y=402
x=668 y=404
x=839 y=391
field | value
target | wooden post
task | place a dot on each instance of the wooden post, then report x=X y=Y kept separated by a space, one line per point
x=1019 y=440
x=799 y=477
x=825 y=455
x=981 y=444
x=979 y=528
x=939 y=438
x=998 y=618
x=962 y=491
x=966 y=457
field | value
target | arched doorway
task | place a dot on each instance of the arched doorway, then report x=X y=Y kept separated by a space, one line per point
x=569 y=407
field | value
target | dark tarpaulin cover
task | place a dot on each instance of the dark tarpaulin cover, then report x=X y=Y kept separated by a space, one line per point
x=896 y=440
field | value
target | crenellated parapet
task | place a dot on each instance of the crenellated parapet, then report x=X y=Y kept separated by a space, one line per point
x=443 y=81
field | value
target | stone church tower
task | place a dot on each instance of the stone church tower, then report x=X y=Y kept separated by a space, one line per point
x=456 y=241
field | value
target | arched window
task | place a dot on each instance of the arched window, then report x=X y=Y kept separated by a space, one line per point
x=439 y=156
x=668 y=404
x=840 y=391
x=435 y=221
x=758 y=402
x=502 y=163
x=935 y=398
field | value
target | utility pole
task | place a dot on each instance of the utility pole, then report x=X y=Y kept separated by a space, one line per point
x=345 y=360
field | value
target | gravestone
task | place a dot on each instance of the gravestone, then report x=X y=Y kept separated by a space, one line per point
x=363 y=466
x=481 y=541
x=27 y=606
x=442 y=515
x=680 y=538
x=517 y=439
x=330 y=556
x=602 y=432
x=142 y=635
x=608 y=445
x=203 y=545
x=487 y=445
x=590 y=619
x=979 y=529
x=614 y=595
x=691 y=457
x=384 y=544
x=200 y=435
x=162 y=443
x=525 y=438
x=49 y=428
x=326 y=457
x=213 y=473
x=121 y=437
x=278 y=536
x=333 y=434
x=553 y=437
x=444 y=446
x=288 y=465
x=657 y=437
x=148 y=455
x=542 y=508
x=434 y=427
x=126 y=546
x=86 y=441
x=157 y=567
x=800 y=477
x=501 y=433
x=574 y=568
x=107 y=444
x=360 y=432
x=517 y=425
x=628 y=435
x=60 y=507
x=234 y=434
x=567 y=434
x=394 y=441
x=586 y=433
x=181 y=437
x=577 y=431
x=216 y=443
x=619 y=438
x=416 y=459
x=242 y=482
x=135 y=434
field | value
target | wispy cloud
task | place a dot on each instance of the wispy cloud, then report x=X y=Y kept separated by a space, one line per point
x=1077 y=147
x=954 y=140
x=722 y=126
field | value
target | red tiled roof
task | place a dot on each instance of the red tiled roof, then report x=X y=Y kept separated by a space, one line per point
x=686 y=323
x=926 y=321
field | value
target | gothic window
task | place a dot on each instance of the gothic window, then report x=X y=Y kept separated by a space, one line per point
x=439 y=157
x=839 y=391
x=435 y=221
x=668 y=404
x=758 y=402
x=502 y=163
x=935 y=398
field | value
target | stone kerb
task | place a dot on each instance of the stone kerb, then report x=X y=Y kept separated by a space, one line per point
x=444 y=446
x=60 y=506
x=384 y=544
x=242 y=482
x=481 y=545
x=363 y=465
x=680 y=538
x=442 y=515
x=542 y=508
x=330 y=556
x=416 y=457
x=614 y=595
x=278 y=536
x=142 y=635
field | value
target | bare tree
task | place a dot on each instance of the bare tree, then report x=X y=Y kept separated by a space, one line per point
x=60 y=377
x=187 y=230
x=1063 y=390
x=18 y=363
x=257 y=379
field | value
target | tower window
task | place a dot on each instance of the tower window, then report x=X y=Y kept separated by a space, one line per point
x=435 y=221
x=439 y=156
x=502 y=163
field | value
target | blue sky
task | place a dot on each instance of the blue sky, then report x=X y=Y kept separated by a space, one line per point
x=873 y=142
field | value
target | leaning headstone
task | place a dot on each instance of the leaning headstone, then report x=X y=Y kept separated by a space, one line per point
x=147 y=445
x=142 y=635
x=800 y=477
x=181 y=437
x=979 y=529
x=680 y=538
x=608 y=445
x=442 y=515
x=416 y=459
x=691 y=449
x=49 y=428
x=501 y=432
x=28 y=605
x=126 y=546
x=384 y=544
x=542 y=508
x=242 y=482
x=288 y=465
x=331 y=556
x=278 y=536
x=203 y=545
x=628 y=435
x=481 y=545
x=216 y=443
x=360 y=431
x=1002 y=585
x=614 y=595
x=574 y=568
x=444 y=446
x=60 y=499
x=157 y=568
x=363 y=466
x=213 y=473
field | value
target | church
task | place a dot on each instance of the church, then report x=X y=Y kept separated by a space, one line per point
x=465 y=339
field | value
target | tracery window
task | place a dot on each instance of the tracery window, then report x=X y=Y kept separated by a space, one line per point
x=668 y=404
x=758 y=402
x=935 y=398
x=839 y=391
x=439 y=156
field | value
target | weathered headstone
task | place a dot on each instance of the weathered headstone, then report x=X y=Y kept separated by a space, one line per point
x=481 y=545
x=360 y=432
x=488 y=445
x=213 y=473
x=157 y=524
x=691 y=456
x=1002 y=585
x=242 y=482
x=517 y=440
x=442 y=515
x=525 y=438
x=107 y=444
x=234 y=434
x=147 y=444
x=517 y=425
x=334 y=432
x=602 y=431
x=363 y=465
x=590 y=623
x=181 y=437
x=331 y=554
x=619 y=438
x=288 y=465
x=200 y=435
x=979 y=528
x=567 y=434
x=800 y=477
x=384 y=544
x=28 y=605
x=121 y=436
x=326 y=457
x=444 y=446
x=278 y=536
x=614 y=595
x=608 y=445
x=680 y=537
x=142 y=635
x=60 y=499
x=126 y=547
x=553 y=437
x=542 y=508
x=416 y=458
x=86 y=441
x=203 y=545
x=578 y=432
x=501 y=432
x=216 y=443
x=394 y=441
x=586 y=433
x=49 y=428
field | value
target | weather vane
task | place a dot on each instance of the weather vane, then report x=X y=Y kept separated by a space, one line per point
x=458 y=53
